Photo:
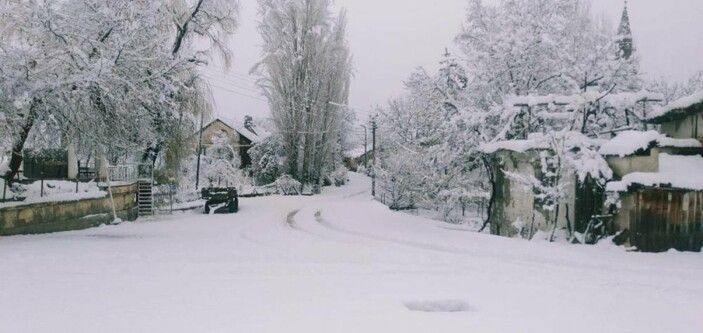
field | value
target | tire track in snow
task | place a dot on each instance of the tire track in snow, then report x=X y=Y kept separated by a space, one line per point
x=417 y=245
x=290 y=219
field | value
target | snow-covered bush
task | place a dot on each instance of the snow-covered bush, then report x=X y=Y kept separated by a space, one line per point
x=221 y=164
x=289 y=186
x=219 y=167
x=340 y=176
x=267 y=160
x=399 y=184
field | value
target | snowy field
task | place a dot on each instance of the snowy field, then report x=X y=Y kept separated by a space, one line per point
x=335 y=263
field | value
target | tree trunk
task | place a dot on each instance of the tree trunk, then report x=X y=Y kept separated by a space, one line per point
x=16 y=158
x=494 y=191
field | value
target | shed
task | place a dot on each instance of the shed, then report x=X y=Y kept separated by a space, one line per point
x=682 y=118
x=518 y=211
x=663 y=209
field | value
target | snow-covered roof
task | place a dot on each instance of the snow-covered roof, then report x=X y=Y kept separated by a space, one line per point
x=630 y=142
x=678 y=109
x=355 y=152
x=675 y=171
x=255 y=135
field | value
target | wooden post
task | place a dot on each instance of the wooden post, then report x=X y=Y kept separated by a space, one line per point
x=41 y=174
x=200 y=150
x=170 y=196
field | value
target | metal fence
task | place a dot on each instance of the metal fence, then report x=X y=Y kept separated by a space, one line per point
x=130 y=172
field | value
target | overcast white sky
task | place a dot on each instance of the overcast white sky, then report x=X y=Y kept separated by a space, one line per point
x=390 y=38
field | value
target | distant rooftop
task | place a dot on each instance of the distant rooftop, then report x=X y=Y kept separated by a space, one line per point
x=631 y=142
x=678 y=109
x=679 y=172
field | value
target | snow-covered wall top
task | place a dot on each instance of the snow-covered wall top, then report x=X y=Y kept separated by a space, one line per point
x=630 y=142
x=540 y=141
x=519 y=146
x=679 y=107
x=681 y=172
x=578 y=100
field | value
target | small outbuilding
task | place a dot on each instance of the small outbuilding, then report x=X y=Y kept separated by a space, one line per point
x=520 y=211
x=682 y=119
x=658 y=180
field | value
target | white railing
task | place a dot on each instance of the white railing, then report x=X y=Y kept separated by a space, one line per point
x=130 y=172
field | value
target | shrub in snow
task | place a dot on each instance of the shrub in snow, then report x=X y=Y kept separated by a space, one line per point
x=340 y=176
x=288 y=186
x=267 y=160
x=221 y=167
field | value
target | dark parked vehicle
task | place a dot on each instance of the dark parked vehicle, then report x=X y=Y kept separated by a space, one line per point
x=216 y=196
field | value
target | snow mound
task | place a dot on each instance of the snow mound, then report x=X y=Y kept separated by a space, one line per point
x=438 y=306
x=629 y=142
x=682 y=172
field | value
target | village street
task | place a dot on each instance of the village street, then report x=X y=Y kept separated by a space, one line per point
x=339 y=262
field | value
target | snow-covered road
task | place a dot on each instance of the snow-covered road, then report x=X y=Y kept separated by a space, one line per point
x=339 y=262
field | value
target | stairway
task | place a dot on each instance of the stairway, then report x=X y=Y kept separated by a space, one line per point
x=145 y=198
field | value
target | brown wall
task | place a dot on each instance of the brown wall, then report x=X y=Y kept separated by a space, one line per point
x=68 y=215
x=657 y=219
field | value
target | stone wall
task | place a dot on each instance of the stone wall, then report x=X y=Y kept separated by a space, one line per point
x=48 y=217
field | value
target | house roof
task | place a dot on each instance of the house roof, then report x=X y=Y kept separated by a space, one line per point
x=679 y=109
x=628 y=143
x=255 y=135
x=675 y=171
x=356 y=152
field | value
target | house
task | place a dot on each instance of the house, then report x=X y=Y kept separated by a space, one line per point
x=658 y=180
x=357 y=158
x=242 y=137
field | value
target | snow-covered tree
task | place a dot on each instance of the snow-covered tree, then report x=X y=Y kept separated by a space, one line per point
x=120 y=76
x=305 y=74
x=267 y=160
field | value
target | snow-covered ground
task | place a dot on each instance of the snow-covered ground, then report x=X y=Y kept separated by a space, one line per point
x=335 y=263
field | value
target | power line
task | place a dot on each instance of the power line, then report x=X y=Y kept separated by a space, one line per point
x=230 y=75
x=238 y=93
x=225 y=81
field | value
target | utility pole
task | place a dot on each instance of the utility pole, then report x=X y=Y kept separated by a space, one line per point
x=373 y=173
x=200 y=151
x=366 y=148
